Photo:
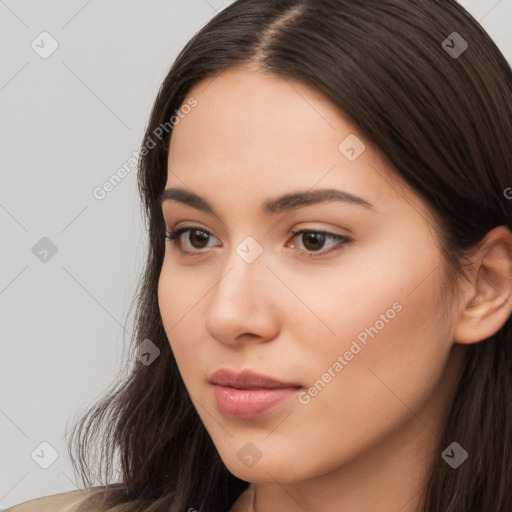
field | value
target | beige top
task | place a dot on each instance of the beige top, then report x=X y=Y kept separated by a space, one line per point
x=69 y=501
x=62 y=502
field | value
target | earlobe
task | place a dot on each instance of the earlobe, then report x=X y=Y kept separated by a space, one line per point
x=489 y=302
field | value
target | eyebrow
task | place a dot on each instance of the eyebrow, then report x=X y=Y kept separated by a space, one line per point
x=281 y=204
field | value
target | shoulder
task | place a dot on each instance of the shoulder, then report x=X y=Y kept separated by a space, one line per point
x=62 y=502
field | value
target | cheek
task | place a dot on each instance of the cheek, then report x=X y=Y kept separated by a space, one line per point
x=178 y=293
x=379 y=383
x=386 y=322
x=180 y=302
x=173 y=308
x=393 y=345
x=166 y=300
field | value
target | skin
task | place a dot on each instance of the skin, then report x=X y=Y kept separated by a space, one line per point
x=366 y=440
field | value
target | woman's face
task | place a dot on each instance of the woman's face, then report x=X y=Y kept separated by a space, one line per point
x=353 y=318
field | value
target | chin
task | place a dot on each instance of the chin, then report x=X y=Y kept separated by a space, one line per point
x=264 y=473
x=269 y=467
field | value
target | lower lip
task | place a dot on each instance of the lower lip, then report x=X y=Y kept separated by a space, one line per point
x=250 y=403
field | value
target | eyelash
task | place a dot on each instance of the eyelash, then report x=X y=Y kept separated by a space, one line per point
x=175 y=234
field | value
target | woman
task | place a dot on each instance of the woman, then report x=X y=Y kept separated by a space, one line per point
x=324 y=318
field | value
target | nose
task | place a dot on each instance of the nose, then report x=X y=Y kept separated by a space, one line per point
x=243 y=304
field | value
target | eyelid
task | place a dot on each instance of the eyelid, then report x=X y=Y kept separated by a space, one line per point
x=325 y=253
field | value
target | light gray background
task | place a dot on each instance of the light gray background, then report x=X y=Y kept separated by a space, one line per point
x=68 y=122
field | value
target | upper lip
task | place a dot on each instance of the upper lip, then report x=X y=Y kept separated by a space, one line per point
x=247 y=379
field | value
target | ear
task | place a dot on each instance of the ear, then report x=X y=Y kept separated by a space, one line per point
x=487 y=303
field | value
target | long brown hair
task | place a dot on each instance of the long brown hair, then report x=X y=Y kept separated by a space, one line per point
x=444 y=122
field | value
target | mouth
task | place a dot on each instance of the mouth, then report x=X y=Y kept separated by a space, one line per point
x=248 y=394
x=250 y=403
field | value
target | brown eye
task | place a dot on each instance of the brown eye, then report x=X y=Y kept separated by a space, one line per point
x=197 y=238
x=313 y=242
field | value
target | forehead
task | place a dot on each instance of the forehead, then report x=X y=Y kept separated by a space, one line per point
x=255 y=134
x=246 y=106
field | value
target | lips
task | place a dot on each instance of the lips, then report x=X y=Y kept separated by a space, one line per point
x=247 y=379
x=249 y=394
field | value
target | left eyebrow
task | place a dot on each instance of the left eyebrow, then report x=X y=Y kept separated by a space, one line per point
x=284 y=203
